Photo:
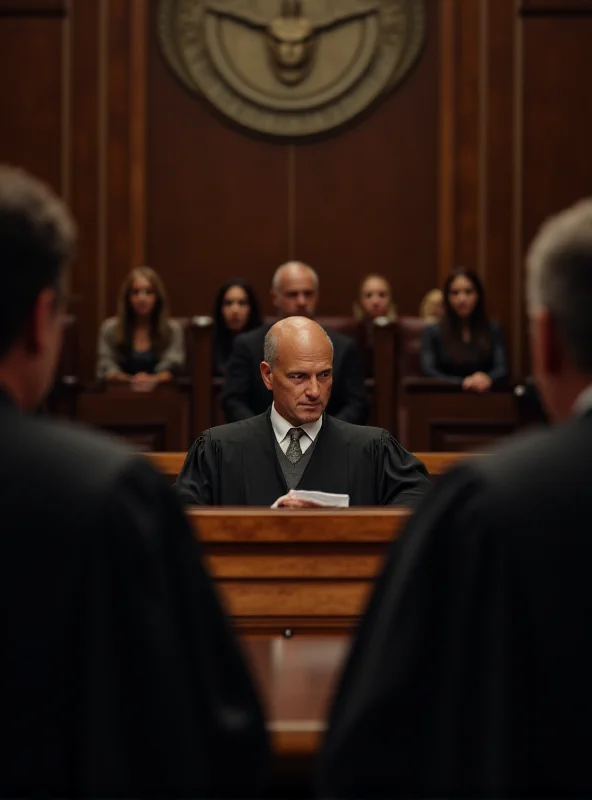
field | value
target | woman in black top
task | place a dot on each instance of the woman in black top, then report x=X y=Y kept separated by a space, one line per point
x=236 y=310
x=465 y=347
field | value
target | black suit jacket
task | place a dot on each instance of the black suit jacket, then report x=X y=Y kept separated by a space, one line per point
x=237 y=464
x=470 y=674
x=245 y=394
x=120 y=676
x=437 y=362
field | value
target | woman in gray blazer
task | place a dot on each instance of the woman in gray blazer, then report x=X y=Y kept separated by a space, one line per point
x=141 y=345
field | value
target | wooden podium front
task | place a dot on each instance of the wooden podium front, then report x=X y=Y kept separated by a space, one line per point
x=285 y=571
x=295 y=583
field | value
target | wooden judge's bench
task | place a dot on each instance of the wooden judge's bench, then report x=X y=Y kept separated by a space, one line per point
x=286 y=572
x=295 y=583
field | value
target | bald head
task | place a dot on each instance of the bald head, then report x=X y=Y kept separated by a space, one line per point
x=295 y=289
x=298 y=368
x=295 y=333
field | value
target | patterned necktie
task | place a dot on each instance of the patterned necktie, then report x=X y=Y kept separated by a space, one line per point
x=294 y=453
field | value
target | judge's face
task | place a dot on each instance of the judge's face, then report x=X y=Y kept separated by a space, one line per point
x=301 y=377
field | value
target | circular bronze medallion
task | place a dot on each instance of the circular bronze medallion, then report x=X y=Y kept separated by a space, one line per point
x=291 y=68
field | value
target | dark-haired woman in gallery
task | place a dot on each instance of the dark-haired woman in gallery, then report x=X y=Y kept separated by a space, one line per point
x=465 y=347
x=236 y=310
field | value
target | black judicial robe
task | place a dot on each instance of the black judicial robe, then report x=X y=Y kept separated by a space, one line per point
x=237 y=465
x=471 y=673
x=120 y=675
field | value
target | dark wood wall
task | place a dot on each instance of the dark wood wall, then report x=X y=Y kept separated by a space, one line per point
x=222 y=203
x=487 y=136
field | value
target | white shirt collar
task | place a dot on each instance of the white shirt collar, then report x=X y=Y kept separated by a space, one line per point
x=583 y=402
x=281 y=426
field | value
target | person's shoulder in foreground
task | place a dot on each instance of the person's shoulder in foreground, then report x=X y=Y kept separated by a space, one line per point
x=114 y=635
x=73 y=459
x=476 y=639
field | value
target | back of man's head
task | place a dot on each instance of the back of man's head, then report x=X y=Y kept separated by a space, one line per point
x=37 y=238
x=559 y=264
x=559 y=288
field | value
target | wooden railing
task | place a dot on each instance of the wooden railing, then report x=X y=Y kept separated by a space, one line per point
x=436 y=463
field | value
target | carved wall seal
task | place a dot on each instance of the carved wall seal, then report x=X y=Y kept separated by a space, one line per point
x=290 y=68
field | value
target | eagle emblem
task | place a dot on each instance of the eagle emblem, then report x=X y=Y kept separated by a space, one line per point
x=291 y=68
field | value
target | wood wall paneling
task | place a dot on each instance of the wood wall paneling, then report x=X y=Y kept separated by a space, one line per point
x=557 y=117
x=118 y=167
x=499 y=201
x=468 y=67
x=482 y=61
x=217 y=198
x=557 y=7
x=33 y=7
x=107 y=123
x=447 y=143
x=86 y=160
x=31 y=94
x=363 y=199
x=366 y=199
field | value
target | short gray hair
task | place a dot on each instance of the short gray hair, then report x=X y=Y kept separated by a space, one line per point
x=559 y=277
x=270 y=346
x=277 y=275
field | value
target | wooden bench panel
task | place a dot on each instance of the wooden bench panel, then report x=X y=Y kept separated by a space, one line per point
x=147 y=420
x=434 y=416
x=292 y=564
x=436 y=463
x=295 y=569
x=297 y=598
x=305 y=526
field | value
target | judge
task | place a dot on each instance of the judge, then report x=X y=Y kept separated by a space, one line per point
x=120 y=674
x=294 y=444
x=470 y=674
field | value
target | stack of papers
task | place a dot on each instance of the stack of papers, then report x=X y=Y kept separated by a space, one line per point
x=320 y=498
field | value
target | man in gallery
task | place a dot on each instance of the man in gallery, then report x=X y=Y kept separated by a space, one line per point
x=294 y=292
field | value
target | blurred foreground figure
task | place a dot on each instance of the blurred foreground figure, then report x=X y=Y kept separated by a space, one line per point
x=120 y=677
x=470 y=675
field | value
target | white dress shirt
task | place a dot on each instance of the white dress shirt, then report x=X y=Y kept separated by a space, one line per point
x=281 y=427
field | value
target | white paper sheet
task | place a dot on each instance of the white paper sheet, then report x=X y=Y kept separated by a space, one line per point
x=327 y=499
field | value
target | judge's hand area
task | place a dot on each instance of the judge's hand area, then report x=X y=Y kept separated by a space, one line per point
x=143 y=382
x=478 y=382
x=289 y=501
